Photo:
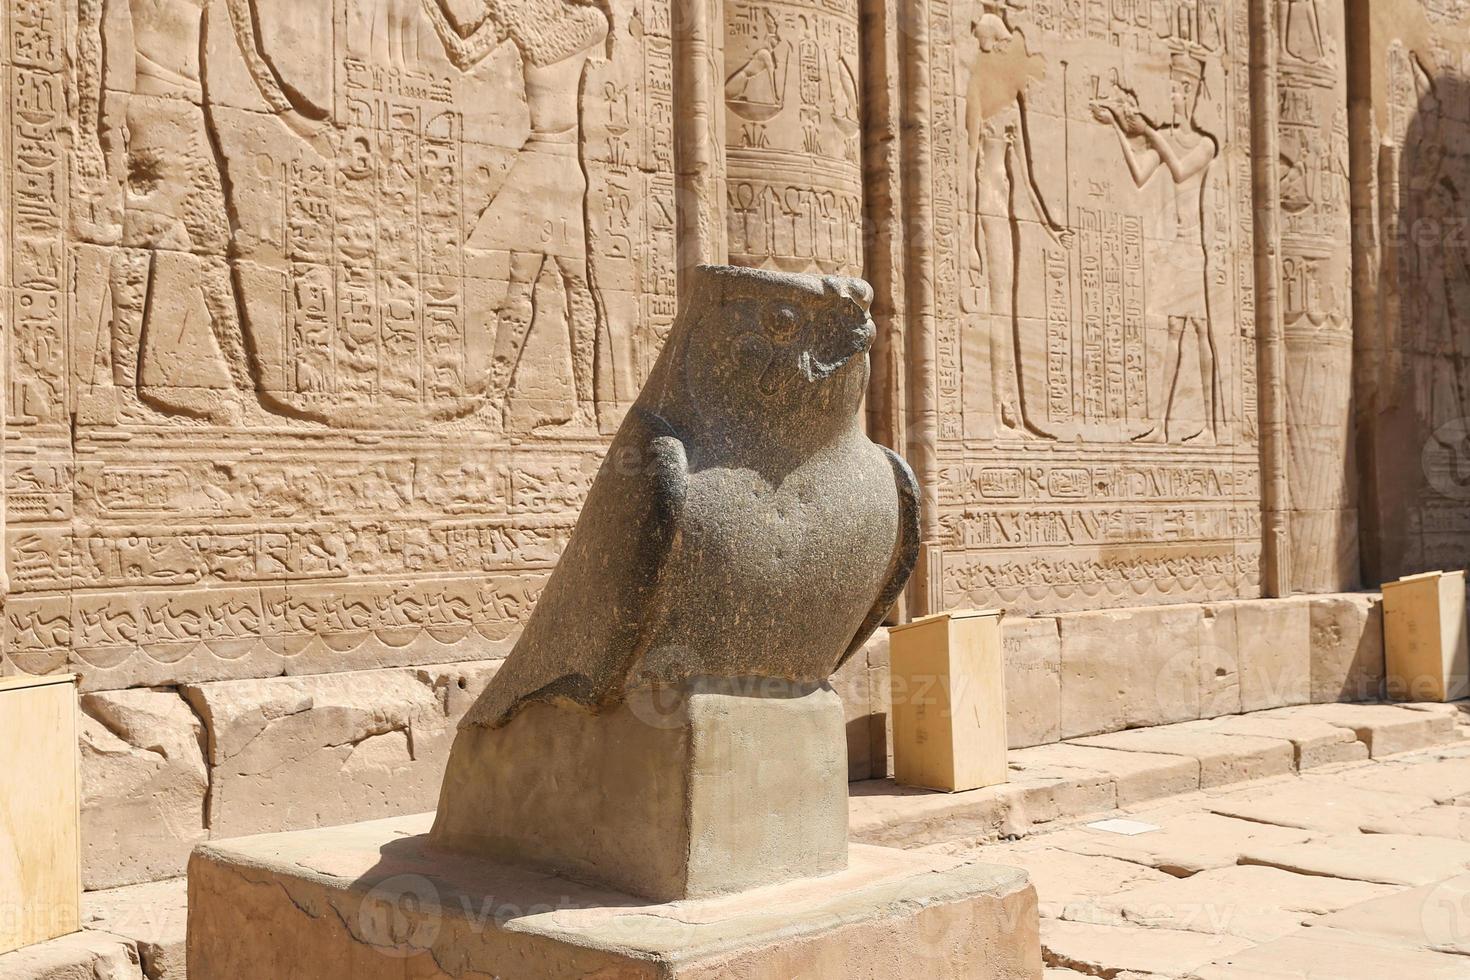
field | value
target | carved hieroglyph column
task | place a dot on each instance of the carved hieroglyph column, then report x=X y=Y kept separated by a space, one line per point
x=1314 y=217
x=793 y=135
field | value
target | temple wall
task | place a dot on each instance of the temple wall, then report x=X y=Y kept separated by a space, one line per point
x=318 y=318
x=1412 y=137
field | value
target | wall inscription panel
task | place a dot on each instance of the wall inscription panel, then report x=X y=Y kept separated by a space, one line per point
x=1094 y=340
x=319 y=317
x=793 y=133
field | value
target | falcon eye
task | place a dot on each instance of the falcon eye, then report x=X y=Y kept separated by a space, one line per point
x=783 y=324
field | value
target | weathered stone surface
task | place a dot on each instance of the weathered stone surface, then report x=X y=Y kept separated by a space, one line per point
x=295 y=752
x=1127 y=668
x=1452 y=822
x=1390 y=859
x=1033 y=652
x=144 y=786
x=1252 y=902
x=667 y=796
x=1139 y=776
x=1314 y=743
x=885 y=813
x=1440 y=780
x=1222 y=759
x=1043 y=795
x=1219 y=662
x=1386 y=730
x=373 y=902
x=853 y=685
x=1430 y=917
x=154 y=917
x=1318 y=952
x=1066 y=881
x=80 y=956
x=1106 y=950
x=1324 y=804
x=1185 y=843
x=1274 y=646
x=1347 y=647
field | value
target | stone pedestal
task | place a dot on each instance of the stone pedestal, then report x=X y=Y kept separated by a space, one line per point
x=374 y=901
x=702 y=789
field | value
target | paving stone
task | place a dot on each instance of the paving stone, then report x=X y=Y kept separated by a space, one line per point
x=1432 y=917
x=1184 y=844
x=1106 y=951
x=1391 y=859
x=1139 y=776
x=882 y=812
x=1452 y=822
x=1253 y=902
x=1331 y=954
x=153 y=916
x=1223 y=759
x=1064 y=879
x=1440 y=780
x=1314 y=743
x=1044 y=795
x=80 y=956
x=1321 y=803
x=1385 y=729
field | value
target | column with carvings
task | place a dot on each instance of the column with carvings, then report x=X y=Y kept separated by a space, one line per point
x=793 y=135
x=1314 y=217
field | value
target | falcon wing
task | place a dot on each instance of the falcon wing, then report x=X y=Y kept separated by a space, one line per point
x=905 y=552
x=600 y=606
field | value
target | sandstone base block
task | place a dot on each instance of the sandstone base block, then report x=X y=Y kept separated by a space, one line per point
x=676 y=793
x=374 y=901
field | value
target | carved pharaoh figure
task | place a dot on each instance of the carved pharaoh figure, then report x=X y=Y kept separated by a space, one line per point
x=1179 y=284
x=1001 y=190
x=173 y=229
x=537 y=217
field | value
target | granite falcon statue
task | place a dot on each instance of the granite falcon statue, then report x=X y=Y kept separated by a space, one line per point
x=742 y=524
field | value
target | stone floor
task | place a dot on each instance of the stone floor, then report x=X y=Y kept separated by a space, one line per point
x=1324 y=841
x=1348 y=870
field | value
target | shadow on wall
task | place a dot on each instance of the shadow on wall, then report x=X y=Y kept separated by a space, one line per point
x=1422 y=428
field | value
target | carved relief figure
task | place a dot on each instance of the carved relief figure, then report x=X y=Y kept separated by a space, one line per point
x=1302 y=30
x=1439 y=263
x=1180 y=288
x=757 y=89
x=538 y=215
x=1001 y=190
x=174 y=227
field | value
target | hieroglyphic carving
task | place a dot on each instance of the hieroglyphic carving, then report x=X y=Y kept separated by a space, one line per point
x=1093 y=282
x=793 y=134
x=331 y=302
x=1316 y=292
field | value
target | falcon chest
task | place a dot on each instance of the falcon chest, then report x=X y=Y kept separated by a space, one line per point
x=788 y=569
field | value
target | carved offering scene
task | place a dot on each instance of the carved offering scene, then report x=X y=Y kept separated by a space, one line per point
x=1095 y=343
x=321 y=317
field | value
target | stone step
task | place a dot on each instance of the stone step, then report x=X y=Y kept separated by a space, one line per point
x=1068 y=780
x=154 y=917
x=81 y=956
